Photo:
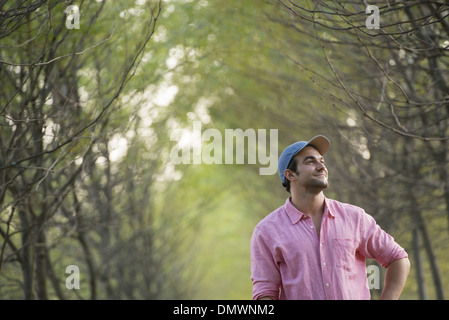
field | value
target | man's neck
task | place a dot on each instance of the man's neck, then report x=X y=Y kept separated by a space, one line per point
x=311 y=204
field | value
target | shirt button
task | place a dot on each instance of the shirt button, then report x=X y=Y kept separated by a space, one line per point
x=327 y=284
x=311 y=227
x=324 y=263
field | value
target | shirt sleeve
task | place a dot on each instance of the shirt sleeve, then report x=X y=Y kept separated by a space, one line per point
x=264 y=270
x=378 y=244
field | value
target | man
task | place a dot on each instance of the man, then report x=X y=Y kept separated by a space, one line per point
x=313 y=247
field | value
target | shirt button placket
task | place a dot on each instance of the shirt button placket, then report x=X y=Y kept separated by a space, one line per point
x=325 y=271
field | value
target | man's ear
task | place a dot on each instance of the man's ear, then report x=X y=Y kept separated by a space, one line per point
x=289 y=175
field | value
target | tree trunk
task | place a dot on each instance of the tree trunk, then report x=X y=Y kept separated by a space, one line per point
x=422 y=292
x=27 y=254
x=41 y=264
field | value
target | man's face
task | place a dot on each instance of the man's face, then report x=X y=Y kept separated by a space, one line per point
x=312 y=173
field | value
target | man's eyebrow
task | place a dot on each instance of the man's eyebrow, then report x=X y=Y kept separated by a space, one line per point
x=313 y=158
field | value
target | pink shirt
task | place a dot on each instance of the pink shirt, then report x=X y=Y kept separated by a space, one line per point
x=290 y=261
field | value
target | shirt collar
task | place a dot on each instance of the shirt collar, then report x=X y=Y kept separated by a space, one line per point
x=295 y=215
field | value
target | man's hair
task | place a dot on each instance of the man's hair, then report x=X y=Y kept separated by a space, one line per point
x=293 y=167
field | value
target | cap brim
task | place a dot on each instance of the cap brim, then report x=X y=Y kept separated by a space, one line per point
x=321 y=143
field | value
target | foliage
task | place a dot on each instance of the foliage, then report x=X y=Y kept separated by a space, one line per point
x=87 y=117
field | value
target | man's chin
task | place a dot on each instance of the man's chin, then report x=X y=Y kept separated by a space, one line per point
x=317 y=187
x=323 y=182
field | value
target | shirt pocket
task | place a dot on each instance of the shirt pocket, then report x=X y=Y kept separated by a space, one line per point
x=345 y=254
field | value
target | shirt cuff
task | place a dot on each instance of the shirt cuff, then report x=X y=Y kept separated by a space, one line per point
x=396 y=254
x=265 y=289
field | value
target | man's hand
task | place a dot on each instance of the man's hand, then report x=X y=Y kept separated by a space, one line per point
x=395 y=277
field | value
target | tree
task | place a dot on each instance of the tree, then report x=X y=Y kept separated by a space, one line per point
x=60 y=103
x=390 y=83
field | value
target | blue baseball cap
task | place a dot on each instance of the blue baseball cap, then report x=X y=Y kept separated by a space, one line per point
x=321 y=143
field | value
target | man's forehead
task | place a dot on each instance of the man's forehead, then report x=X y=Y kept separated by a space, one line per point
x=308 y=151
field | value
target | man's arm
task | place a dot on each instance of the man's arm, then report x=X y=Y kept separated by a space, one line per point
x=395 y=277
x=264 y=271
